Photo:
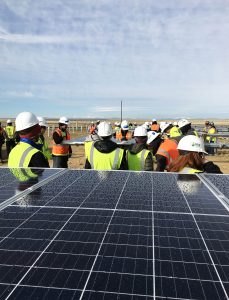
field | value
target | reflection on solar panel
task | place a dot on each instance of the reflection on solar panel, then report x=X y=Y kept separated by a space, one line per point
x=115 y=235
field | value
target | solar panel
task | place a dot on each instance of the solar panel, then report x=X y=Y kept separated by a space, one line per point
x=88 y=234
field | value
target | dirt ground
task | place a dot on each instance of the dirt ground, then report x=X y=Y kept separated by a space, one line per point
x=77 y=160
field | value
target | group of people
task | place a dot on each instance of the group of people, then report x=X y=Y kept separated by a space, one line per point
x=173 y=147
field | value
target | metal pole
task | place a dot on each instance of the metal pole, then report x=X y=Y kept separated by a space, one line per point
x=121 y=111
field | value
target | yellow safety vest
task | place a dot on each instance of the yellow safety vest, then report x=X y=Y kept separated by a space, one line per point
x=10 y=130
x=105 y=161
x=87 y=147
x=45 y=148
x=136 y=162
x=20 y=156
x=188 y=170
x=175 y=132
x=211 y=139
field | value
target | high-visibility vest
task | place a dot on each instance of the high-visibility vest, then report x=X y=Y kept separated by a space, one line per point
x=59 y=149
x=19 y=159
x=105 y=161
x=168 y=149
x=10 y=130
x=87 y=148
x=188 y=170
x=175 y=132
x=155 y=127
x=45 y=149
x=119 y=135
x=136 y=161
x=21 y=155
x=92 y=129
x=211 y=139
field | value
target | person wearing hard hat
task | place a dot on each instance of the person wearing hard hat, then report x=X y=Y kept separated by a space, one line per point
x=206 y=127
x=171 y=131
x=41 y=140
x=27 y=152
x=164 y=149
x=10 y=136
x=61 y=153
x=105 y=154
x=124 y=134
x=154 y=126
x=2 y=140
x=92 y=128
x=139 y=158
x=186 y=127
x=192 y=157
x=211 y=139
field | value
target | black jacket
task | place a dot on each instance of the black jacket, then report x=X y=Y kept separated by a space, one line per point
x=38 y=160
x=107 y=146
x=136 y=148
x=210 y=167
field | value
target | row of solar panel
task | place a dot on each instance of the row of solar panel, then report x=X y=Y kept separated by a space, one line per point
x=115 y=235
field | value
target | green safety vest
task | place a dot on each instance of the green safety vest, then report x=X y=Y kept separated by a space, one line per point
x=20 y=156
x=188 y=170
x=10 y=131
x=175 y=132
x=136 y=162
x=45 y=148
x=104 y=161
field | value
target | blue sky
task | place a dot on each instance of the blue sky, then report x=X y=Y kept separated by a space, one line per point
x=167 y=58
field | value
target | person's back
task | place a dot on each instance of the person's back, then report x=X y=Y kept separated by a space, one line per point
x=27 y=153
x=186 y=128
x=191 y=157
x=139 y=158
x=104 y=154
x=166 y=153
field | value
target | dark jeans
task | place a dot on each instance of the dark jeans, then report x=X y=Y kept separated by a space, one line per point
x=60 y=161
x=9 y=146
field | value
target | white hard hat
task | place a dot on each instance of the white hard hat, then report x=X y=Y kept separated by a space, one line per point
x=154 y=120
x=9 y=121
x=152 y=135
x=64 y=120
x=124 y=125
x=140 y=131
x=192 y=143
x=25 y=120
x=147 y=123
x=175 y=123
x=42 y=121
x=183 y=122
x=104 y=129
x=164 y=126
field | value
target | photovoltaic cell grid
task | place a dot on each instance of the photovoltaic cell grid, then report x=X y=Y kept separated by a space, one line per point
x=116 y=235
